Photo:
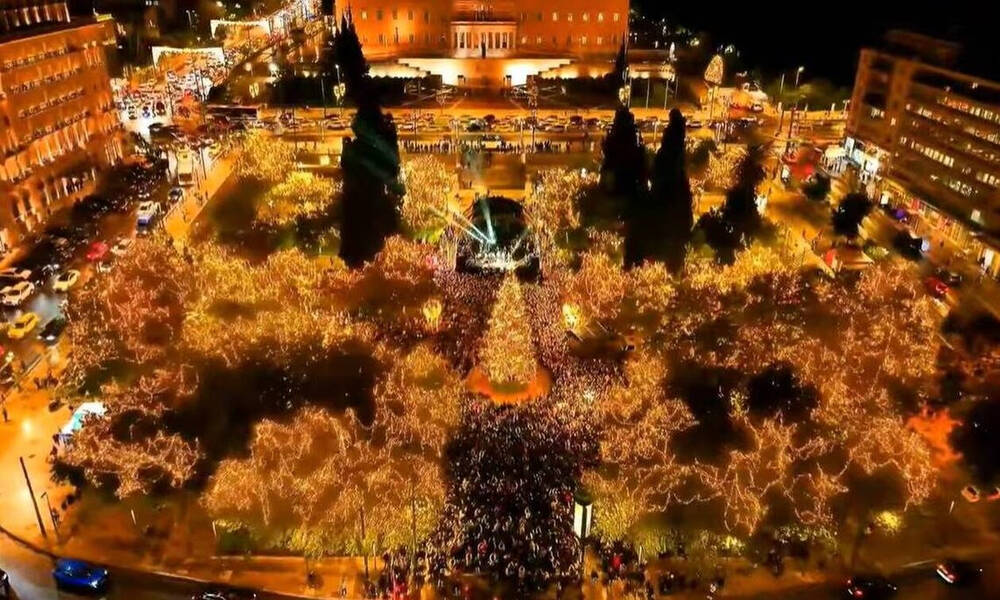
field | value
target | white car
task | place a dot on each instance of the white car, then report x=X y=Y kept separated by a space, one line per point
x=147 y=210
x=14 y=295
x=121 y=247
x=15 y=273
x=971 y=493
x=66 y=280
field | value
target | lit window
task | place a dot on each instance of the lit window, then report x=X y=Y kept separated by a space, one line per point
x=538 y=40
x=600 y=17
x=615 y=18
x=569 y=17
x=524 y=40
x=583 y=41
x=586 y=17
x=364 y=15
x=600 y=41
x=555 y=16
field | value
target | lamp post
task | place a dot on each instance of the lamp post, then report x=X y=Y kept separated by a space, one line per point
x=583 y=518
x=798 y=73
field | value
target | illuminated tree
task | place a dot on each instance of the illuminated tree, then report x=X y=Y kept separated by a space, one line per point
x=428 y=199
x=598 y=287
x=323 y=477
x=507 y=351
x=419 y=401
x=551 y=206
x=133 y=466
x=299 y=195
x=264 y=157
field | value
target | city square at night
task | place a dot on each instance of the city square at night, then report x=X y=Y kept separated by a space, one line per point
x=480 y=300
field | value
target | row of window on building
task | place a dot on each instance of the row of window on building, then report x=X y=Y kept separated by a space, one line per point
x=466 y=40
x=568 y=17
x=12 y=18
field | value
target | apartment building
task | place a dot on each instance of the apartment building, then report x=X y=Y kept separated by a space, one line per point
x=58 y=125
x=926 y=137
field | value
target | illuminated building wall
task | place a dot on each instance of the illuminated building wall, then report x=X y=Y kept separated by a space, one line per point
x=576 y=29
x=937 y=132
x=58 y=125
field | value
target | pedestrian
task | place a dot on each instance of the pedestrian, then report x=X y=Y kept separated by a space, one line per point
x=5 y=419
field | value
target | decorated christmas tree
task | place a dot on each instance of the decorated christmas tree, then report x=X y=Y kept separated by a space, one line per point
x=507 y=355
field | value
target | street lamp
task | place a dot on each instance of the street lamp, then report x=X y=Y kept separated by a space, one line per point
x=798 y=73
x=583 y=518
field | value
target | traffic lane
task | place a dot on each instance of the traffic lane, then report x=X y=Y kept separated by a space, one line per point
x=31 y=579
x=918 y=584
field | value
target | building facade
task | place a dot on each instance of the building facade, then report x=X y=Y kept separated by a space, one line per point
x=926 y=138
x=58 y=124
x=519 y=37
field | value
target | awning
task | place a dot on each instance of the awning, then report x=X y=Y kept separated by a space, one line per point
x=80 y=415
x=834 y=152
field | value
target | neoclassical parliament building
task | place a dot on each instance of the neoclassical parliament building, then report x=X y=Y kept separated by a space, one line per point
x=58 y=124
x=491 y=43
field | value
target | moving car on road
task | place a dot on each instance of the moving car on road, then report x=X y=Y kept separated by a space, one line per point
x=935 y=287
x=52 y=330
x=14 y=295
x=96 y=251
x=956 y=572
x=121 y=246
x=80 y=576
x=870 y=587
x=22 y=326
x=66 y=280
x=147 y=210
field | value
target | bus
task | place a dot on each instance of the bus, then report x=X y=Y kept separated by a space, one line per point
x=185 y=168
x=234 y=112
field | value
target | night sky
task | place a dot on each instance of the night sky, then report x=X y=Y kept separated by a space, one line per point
x=826 y=36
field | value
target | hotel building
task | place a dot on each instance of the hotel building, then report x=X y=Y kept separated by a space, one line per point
x=490 y=43
x=58 y=125
x=926 y=138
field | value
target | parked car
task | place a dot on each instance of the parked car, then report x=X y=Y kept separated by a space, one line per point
x=96 y=251
x=870 y=587
x=13 y=295
x=22 y=325
x=15 y=273
x=78 y=575
x=955 y=572
x=66 y=280
x=52 y=330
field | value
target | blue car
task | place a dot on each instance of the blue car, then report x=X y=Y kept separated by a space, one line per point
x=78 y=575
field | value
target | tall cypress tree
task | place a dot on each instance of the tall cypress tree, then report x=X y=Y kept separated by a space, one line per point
x=369 y=161
x=661 y=228
x=624 y=169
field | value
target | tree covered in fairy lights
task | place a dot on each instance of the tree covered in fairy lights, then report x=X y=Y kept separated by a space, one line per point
x=507 y=351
